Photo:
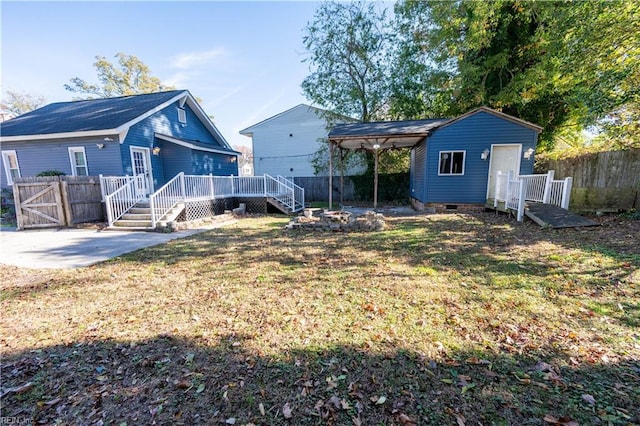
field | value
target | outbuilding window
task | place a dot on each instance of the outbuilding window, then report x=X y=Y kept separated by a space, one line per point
x=78 y=161
x=451 y=163
x=11 y=168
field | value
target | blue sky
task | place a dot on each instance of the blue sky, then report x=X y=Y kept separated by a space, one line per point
x=243 y=59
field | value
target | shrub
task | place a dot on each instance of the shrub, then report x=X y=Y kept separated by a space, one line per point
x=51 y=173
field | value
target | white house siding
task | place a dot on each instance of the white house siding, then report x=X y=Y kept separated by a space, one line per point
x=285 y=144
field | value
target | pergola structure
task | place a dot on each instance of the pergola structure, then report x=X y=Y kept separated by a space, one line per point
x=377 y=137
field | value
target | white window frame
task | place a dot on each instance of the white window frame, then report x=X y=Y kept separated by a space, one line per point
x=464 y=162
x=182 y=116
x=7 y=164
x=72 y=159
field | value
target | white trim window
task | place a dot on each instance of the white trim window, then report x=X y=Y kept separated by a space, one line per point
x=11 y=166
x=182 y=116
x=78 y=160
x=451 y=163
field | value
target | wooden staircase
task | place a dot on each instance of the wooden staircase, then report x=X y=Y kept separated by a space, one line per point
x=280 y=206
x=138 y=218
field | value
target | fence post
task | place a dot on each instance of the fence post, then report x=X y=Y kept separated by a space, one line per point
x=66 y=202
x=521 y=201
x=183 y=189
x=566 y=193
x=546 y=196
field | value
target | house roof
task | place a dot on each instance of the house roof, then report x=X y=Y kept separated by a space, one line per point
x=403 y=134
x=85 y=115
x=249 y=130
x=98 y=117
x=386 y=134
x=196 y=145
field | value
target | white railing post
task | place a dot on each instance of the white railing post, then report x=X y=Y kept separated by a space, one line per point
x=521 y=201
x=109 y=212
x=182 y=186
x=510 y=176
x=233 y=186
x=547 y=187
x=212 y=192
x=566 y=193
x=152 y=207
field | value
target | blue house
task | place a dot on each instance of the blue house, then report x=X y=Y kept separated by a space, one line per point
x=156 y=135
x=454 y=162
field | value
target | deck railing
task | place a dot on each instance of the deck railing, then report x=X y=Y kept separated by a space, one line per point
x=125 y=195
x=166 y=198
x=183 y=188
x=514 y=191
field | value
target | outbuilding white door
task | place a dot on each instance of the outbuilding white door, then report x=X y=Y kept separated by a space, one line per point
x=503 y=158
x=141 y=165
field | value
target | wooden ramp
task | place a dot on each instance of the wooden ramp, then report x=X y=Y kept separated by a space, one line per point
x=550 y=216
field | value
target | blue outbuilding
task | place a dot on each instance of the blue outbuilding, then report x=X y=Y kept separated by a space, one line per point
x=455 y=161
x=156 y=135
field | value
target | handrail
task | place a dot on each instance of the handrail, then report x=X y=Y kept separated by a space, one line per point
x=122 y=199
x=166 y=198
x=538 y=188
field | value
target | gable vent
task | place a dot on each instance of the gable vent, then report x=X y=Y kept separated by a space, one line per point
x=182 y=116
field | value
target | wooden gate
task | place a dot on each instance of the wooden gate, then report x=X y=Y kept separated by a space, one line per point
x=38 y=204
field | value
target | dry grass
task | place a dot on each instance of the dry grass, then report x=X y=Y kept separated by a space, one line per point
x=442 y=319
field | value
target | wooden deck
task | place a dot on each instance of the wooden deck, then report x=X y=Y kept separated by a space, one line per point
x=550 y=216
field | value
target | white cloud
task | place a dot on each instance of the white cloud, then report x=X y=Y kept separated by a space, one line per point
x=189 y=60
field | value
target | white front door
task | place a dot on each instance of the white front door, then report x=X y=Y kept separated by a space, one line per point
x=504 y=158
x=141 y=165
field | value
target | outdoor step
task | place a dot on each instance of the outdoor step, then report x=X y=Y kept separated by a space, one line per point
x=123 y=223
x=140 y=210
x=137 y=216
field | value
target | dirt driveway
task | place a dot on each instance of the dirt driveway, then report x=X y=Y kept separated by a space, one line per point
x=74 y=248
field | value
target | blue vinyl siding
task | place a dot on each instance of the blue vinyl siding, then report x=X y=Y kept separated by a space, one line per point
x=472 y=134
x=173 y=158
x=39 y=155
x=418 y=170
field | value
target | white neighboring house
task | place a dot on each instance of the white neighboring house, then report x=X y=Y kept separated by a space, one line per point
x=286 y=143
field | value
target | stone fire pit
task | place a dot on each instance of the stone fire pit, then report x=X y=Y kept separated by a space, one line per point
x=337 y=221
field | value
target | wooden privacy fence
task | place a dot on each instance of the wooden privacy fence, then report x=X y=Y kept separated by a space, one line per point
x=53 y=201
x=604 y=181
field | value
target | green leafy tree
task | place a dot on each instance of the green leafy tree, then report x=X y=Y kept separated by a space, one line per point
x=557 y=64
x=348 y=44
x=130 y=77
x=20 y=102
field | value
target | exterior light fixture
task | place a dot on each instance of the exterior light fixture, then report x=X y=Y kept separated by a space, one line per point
x=108 y=139
x=100 y=145
x=376 y=146
x=156 y=150
x=528 y=153
x=485 y=154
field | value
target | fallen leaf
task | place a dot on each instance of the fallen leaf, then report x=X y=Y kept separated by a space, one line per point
x=589 y=399
x=183 y=384
x=231 y=421
x=200 y=388
x=406 y=420
x=564 y=420
x=286 y=411
x=261 y=408
x=356 y=421
x=381 y=400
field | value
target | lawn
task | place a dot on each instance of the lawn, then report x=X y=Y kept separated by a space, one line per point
x=440 y=319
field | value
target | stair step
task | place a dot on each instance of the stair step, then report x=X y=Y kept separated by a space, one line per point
x=123 y=223
x=140 y=210
x=137 y=216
